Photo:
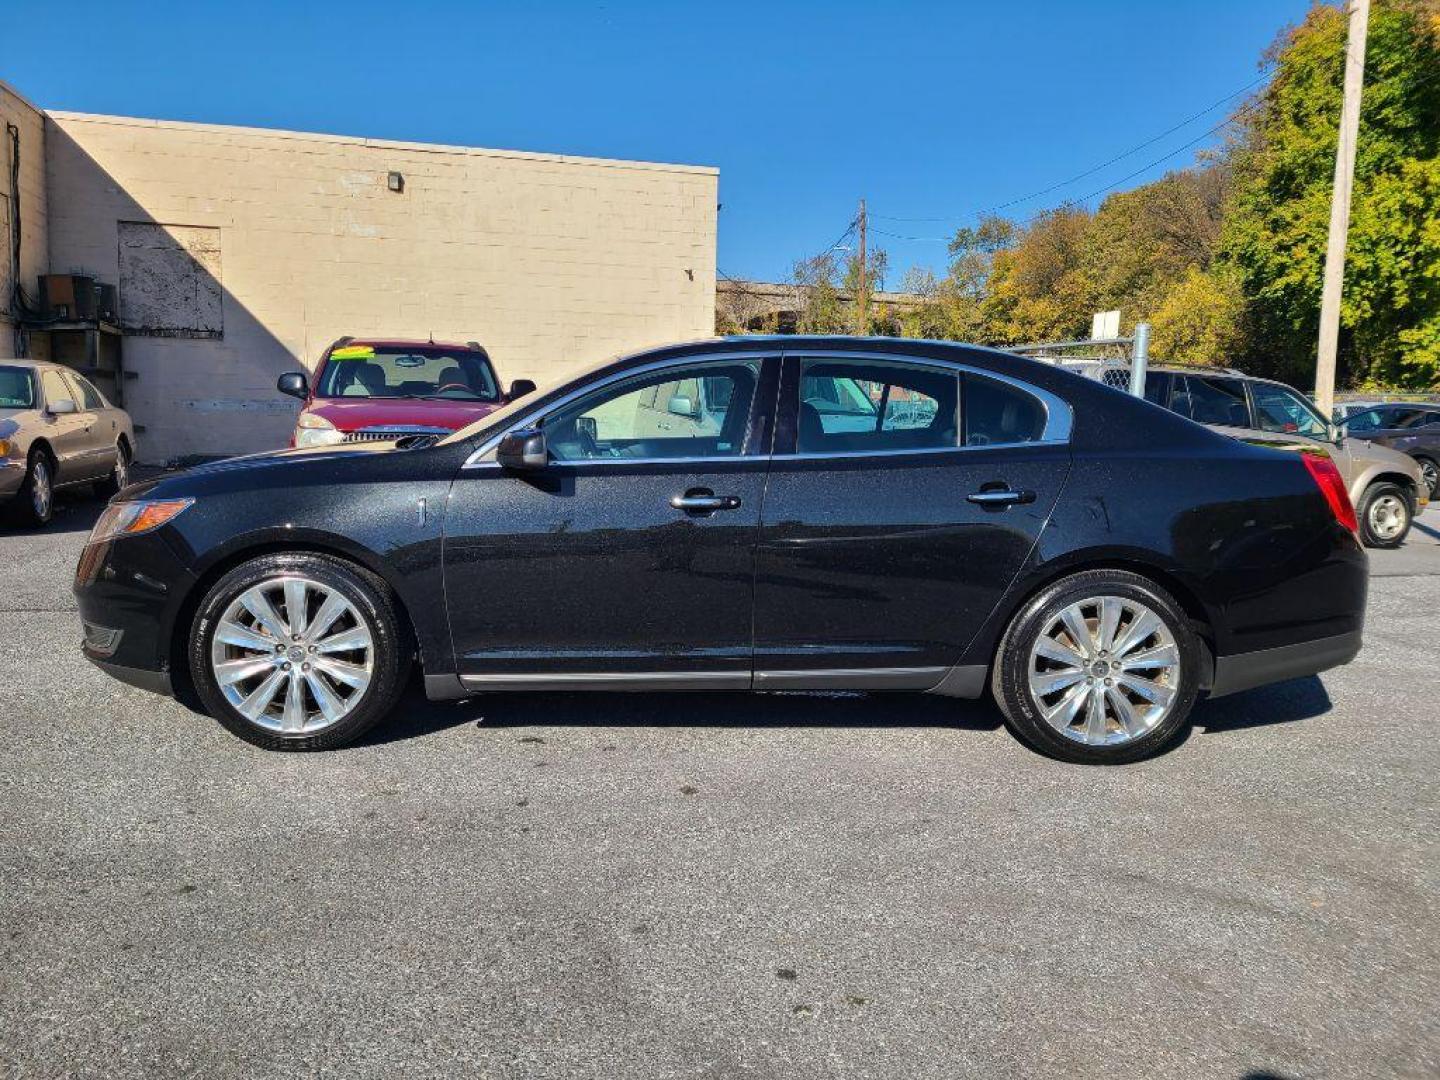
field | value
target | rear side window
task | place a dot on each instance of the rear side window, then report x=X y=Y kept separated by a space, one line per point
x=1207 y=399
x=89 y=397
x=997 y=413
x=856 y=406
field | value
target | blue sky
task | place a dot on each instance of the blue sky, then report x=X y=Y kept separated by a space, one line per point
x=929 y=110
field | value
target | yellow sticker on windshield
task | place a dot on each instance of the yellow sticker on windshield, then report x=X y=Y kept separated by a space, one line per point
x=354 y=352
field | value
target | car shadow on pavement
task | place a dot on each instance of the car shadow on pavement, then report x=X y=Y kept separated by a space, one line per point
x=415 y=717
x=1279 y=703
x=73 y=513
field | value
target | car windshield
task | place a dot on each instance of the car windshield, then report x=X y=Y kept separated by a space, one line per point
x=17 y=388
x=419 y=371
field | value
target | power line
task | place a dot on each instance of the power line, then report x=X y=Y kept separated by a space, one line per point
x=1094 y=169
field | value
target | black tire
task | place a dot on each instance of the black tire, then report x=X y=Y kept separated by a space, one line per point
x=1009 y=681
x=1385 y=514
x=119 y=476
x=370 y=598
x=34 y=503
x=1429 y=474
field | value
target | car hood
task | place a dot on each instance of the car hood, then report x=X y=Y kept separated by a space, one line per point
x=352 y=414
x=175 y=484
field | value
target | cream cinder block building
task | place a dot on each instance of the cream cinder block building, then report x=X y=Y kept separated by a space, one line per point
x=240 y=253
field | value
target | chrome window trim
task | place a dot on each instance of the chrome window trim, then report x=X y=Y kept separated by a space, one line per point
x=474 y=460
x=1059 y=417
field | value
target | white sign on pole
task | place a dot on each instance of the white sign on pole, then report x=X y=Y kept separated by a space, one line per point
x=1105 y=325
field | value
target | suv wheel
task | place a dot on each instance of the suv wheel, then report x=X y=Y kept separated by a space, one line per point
x=1101 y=668
x=1385 y=515
x=298 y=652
x=1430 y=475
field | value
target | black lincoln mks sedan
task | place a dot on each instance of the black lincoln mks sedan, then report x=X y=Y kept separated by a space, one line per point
x=746 y=514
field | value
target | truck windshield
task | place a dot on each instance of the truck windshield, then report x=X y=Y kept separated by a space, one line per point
x=366 y=371
x=17 y=388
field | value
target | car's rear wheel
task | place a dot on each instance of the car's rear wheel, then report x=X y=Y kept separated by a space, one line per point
x=119 y=476
x=1385 y=514
x=298 y=651
x=1101 y=668
x=35 y=503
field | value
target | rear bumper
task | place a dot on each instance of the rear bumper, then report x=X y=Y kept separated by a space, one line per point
x=1245 y=671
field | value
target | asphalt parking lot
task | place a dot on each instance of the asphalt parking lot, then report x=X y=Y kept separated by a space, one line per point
x=717 y=886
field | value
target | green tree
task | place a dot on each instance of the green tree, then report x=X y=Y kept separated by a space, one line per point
x=1277 y=220
x=1201 y=319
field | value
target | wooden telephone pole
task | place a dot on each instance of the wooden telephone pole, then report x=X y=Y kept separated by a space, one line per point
x=862 y=294
x=1340 y=207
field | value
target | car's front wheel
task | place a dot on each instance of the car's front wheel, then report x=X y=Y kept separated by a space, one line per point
x=1385 y=515
x=298 y=651
x=1100 y=668
x=35 y=503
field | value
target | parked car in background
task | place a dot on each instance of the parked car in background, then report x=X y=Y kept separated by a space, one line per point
x=1385 y=486
x=366 y=389
x=996 y=524
x=57 y=431
x=1409 y=429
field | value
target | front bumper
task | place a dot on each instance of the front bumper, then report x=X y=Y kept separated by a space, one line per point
x=1245 y=671
x=12 y=477
x=129 y=593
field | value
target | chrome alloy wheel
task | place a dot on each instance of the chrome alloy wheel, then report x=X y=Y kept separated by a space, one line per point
x=41 y=491
x=1104 y=671
x=292 y=655
x=1388 y=517
x=121 y=475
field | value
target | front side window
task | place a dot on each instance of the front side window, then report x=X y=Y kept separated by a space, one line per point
x=1211 y=400
x=1278 y=408
x=856 y=406
x=430 y=372
x=1369 y=420
x=17 y=388
x=55 y=388
x=696 y=412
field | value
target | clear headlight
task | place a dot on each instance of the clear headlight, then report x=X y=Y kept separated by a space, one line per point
x=312 y=430
x=134 y=518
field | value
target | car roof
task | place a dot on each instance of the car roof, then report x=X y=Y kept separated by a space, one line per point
x=37 y=365
x=411 y=343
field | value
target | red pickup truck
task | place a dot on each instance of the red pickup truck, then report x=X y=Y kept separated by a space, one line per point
x=372 y=388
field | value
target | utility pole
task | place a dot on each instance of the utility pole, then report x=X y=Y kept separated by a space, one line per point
x=862 y=294
x=1340 y=207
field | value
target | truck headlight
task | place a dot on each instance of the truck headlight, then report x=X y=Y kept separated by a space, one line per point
x=313 y=430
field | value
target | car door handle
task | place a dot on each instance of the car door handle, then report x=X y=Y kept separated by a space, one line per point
x=1000 y=497
x=704 y=502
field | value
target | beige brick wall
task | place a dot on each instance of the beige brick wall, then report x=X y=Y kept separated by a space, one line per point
x=552 y=262
x=14 y=109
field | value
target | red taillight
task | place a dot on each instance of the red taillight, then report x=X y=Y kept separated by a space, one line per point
x=1332 y=485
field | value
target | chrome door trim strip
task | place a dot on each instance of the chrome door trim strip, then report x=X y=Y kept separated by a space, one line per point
x=893 y=678
x=609 y=680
